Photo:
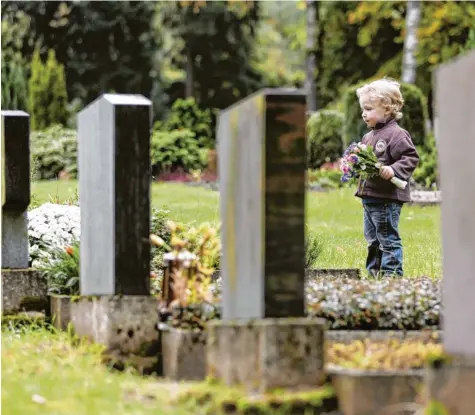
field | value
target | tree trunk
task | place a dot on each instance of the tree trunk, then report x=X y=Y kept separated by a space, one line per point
x=189 y=74
x=311 y=64
x=409 y=64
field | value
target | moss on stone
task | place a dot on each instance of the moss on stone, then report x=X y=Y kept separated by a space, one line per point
x=219 y=399
x=34 y=303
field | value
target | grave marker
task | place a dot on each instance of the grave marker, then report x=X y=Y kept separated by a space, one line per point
x=114 y=195
x=262 y=163
x=15 y=159
x=455 y=108
x=260 y=344
x=114 y=192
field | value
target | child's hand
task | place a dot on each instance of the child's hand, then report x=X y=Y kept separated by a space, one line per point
x=386 y=172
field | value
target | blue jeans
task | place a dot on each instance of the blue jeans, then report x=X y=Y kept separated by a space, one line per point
x=381 y=223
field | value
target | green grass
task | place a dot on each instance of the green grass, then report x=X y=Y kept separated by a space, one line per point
x=336 y=216
x=49 y=373
x=44 y=373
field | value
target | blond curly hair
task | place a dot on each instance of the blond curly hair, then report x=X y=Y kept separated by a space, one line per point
x=387 y=92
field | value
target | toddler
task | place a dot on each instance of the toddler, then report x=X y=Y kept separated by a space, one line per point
x=381 y=103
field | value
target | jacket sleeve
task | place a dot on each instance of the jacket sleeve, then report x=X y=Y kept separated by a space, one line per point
x=405 y=155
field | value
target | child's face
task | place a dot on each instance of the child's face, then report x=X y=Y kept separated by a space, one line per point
x=372 y=111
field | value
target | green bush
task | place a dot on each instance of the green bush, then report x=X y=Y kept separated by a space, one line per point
x=48 y=99
x=14 y=86
x=414 y=110
x=426 y=173
x=324 y=137
x=54 y=150
x=175 y=149
x=326 y=179
x=183 y=139
x=185 y=114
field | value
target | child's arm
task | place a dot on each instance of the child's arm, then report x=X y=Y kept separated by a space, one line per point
x=405 y=154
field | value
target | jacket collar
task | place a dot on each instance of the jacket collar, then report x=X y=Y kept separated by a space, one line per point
x=383 y=124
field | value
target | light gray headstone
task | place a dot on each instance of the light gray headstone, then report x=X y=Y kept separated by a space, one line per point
x=261 y=162
x=114 y=195
x=15 y=164
x=455 y=108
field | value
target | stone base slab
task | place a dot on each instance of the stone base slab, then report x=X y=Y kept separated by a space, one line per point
x=24 y=290
x=265 y=354
x=184 y=354
x=125 y=325
x=365 y=392
x=450 y=387
x=60 y=306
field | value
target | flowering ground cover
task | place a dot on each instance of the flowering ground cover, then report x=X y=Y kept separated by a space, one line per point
x=336 y=217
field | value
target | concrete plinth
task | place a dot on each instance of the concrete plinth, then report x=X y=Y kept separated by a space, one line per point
x=184 y=354
x=23 y=290
x=261 y=355
x=125 y=325
x=451 y=386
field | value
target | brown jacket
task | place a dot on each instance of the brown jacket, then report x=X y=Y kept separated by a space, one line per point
x=393 y=147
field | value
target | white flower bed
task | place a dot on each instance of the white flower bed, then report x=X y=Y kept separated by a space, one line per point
x=52 y=226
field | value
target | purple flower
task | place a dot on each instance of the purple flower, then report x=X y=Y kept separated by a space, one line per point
x=354 y=158
x=345 y=178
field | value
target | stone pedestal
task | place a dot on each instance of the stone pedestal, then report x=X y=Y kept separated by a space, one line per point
x=125 y=325
x=184 y=354
x=23 y=290
x=451 y=386
x=366 y=392
x=261 y=355
x=60 y=306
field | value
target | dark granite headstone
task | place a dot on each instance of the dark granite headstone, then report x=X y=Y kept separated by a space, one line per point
x=262 y=162
x=114 y=191
x=15 y=158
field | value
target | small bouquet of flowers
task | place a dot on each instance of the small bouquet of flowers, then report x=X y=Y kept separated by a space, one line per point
x=359 y=161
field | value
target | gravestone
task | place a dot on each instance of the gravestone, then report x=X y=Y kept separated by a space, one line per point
x=455 y=93
x=15 y=159
x=116 y=309
x=262 y=163
x=451 y=383
x=114 y=192
x=263 y=341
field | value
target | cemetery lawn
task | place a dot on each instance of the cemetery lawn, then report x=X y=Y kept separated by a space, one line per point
x=43 y=373
x=336 y=217
x=51 y=373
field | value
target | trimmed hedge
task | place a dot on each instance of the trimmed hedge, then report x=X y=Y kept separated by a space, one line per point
x=324 y=137
x=414 y=110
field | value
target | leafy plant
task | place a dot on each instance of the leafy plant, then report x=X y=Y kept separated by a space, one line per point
x=188 y=266
x=54 y=151
x=391 y=354
x=313 y=249
x=171 y=150
x=426 y=173
x=324 y=137
x=62 y=270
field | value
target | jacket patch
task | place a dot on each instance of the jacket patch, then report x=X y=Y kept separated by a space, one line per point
x=380 y=146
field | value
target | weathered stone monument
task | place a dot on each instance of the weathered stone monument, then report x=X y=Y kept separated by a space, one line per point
x=18 y=283
x=262 y=342
x=453 y=385
x=15 y=188
x=114 y=190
